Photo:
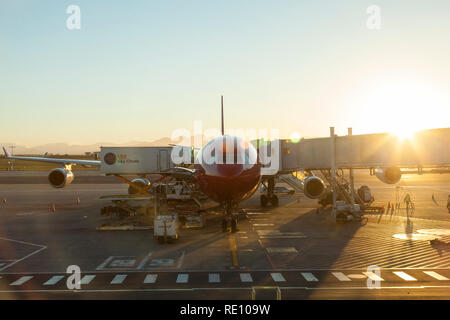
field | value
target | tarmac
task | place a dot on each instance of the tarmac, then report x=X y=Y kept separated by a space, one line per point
x=289 y=252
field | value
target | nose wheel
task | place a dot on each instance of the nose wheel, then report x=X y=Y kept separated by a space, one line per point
x=265 y=199
x=229 y=222
x=270 y=197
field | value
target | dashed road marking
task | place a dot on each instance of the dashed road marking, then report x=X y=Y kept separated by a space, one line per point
x=404 y=276
x=435 y=275
x=246 y=277
x=118 y=279
x=21 y=281
x=309 y=276
x=373 y=276
x=340 y=276
x=214 y=278
x=183 y=278
x=277 y=277
x=151 y=278
x=87 y=279
x=53 y=280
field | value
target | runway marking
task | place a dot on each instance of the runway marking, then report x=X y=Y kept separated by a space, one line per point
x=435 y=275
x=404 y=276
x=233 y=249
x=53 y=280
x=118 y=279
x=277 y=277
x=144 y=261
x=340 y=276
x=309 y=276
x=281 y=250
x=180 y=260
x=21 y=281
x=151 y=278
x=87 y=279
x=123 y=263
x=213 y=278
x=246 y=277
x=25 y=214
x=277 y=234
x=373 y=276
x=27 y=256
x=105 y=263
x=257 y=213
x=182 y=278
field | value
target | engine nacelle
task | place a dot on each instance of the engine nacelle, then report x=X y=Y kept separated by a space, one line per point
x=141 y=182
x=313 y=187
x=60 y=177
x=390 y=175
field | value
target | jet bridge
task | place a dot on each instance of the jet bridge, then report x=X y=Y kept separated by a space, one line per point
x=428 y=151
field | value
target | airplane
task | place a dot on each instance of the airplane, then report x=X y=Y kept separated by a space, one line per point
x=225 y=182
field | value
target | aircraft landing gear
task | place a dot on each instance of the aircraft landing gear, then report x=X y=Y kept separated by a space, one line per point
x=229 y=220
x=270 y=196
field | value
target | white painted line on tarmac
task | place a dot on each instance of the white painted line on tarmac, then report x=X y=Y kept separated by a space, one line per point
x=404 y=276
x=183 y=278
x=373 y=276
x=436 y=275
x=118 y=279
x=246 y=277
x=105 y=263
x=53 y=280
x=214 y=278
x=151 y=278
x=181 y=259
x=21 y=281
x=340 y=276
x=27 y=256
x=144 y=261
x=277 y=277
x=309 y=276
x=281 y=250
x=87 y=279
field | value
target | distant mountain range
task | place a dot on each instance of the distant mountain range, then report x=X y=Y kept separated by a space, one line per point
x=65 y=148
x=78 y=149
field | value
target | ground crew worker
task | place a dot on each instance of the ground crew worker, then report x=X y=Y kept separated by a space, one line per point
x=407 y=200
x=409 y=203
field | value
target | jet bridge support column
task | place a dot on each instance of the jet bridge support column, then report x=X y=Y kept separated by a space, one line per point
x=352 y=178
x=333 y=169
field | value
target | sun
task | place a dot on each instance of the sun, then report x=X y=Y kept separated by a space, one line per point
x=403 y=133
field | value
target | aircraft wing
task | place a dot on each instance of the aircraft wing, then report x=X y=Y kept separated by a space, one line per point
x=53 y=160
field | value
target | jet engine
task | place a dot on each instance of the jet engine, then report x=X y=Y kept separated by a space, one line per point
x=390 y=175
x=141 y=182
x=60 y=177
x=313 y=187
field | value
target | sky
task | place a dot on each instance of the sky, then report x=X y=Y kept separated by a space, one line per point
x=138 y=70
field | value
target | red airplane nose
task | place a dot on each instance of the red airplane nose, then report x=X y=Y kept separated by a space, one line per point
x=228 y=174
